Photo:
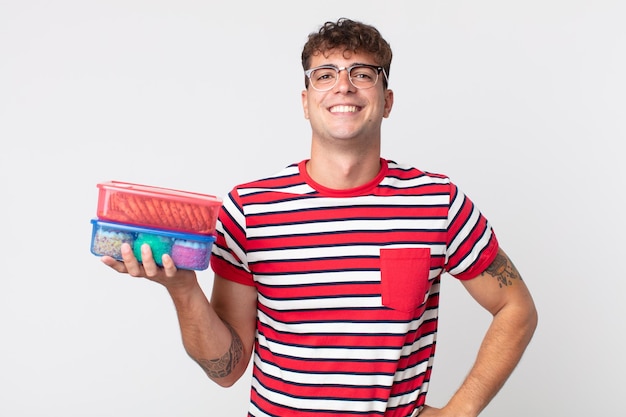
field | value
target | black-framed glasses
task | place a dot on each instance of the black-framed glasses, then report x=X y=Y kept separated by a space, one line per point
x=362 y=76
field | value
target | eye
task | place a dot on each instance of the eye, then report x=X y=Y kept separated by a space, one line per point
x=363 y=73
x=324 y=74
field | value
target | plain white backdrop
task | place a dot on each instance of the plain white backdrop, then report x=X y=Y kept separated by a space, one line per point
x=523 y=104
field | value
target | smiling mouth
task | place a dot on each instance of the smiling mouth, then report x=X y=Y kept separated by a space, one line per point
x=343 y=109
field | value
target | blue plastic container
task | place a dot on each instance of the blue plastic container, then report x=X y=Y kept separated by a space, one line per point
x=188 y=251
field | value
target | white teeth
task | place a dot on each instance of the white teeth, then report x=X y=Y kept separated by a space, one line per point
x=343 y=109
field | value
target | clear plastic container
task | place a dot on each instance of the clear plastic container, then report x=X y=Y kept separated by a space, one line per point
x=157 y=207
x=188 y=251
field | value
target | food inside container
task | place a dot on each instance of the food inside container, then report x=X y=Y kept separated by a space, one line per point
x=188 y=251
x=157 y=207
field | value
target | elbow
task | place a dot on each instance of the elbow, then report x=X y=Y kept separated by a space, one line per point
x=522 y=319
x=533 y=320
x=224 y=373
x=225 y=382
x=527 y=321
x=228 y=380
x=527 y=314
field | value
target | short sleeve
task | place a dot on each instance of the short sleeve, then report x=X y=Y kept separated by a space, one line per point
x=471 y=243
x=229 y=259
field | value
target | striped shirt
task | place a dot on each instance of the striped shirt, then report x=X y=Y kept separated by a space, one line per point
x=348 y=285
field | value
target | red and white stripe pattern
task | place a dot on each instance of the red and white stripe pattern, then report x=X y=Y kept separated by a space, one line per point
x=333 y=338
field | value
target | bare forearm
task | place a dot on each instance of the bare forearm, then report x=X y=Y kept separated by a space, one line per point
x=502 y=292
x=213 y=340
x=208 y=340
x=499 y=354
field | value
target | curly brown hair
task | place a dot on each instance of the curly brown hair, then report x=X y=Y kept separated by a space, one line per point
x=353 y=37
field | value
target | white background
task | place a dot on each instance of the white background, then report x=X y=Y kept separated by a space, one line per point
x=523 y=104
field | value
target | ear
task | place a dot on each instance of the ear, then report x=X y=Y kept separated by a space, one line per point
x=388 y=103
x=305 y=105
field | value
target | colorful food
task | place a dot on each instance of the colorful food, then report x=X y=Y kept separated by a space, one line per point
x=189 y=254
x=174 y=222
x=109 y=242
x=160 y=245
x=154 y=211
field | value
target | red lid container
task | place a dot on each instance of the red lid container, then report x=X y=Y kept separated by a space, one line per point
x=157 y=207
x=188 y=251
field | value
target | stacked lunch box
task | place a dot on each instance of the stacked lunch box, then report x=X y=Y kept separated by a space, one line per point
x=174 y=222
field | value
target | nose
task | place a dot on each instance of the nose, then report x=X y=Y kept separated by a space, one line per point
x=343 y=81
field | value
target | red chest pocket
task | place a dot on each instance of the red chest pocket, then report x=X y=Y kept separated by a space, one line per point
x=404 y=276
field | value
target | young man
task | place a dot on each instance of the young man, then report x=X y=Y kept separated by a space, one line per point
x=328 y=273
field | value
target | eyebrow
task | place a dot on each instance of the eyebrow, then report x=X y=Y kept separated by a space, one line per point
x=351 y=65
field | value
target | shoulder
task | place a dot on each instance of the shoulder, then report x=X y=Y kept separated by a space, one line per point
x=407 y=176
x=285 y=175
x=403 y=170
x=283 y=184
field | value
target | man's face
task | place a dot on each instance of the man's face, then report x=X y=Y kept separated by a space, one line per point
x=345 y=112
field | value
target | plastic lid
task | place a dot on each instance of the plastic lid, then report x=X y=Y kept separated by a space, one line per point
x=152 y=190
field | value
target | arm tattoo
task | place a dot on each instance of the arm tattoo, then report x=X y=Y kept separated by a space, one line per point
x=503 y=270
x=222 y=367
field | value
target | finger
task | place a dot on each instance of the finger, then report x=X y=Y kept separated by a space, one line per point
x=114 y=264
x=133 y=266
x=169 y=266
x=149 y=264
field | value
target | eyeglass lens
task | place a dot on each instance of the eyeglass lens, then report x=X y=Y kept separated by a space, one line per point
x=360 y=76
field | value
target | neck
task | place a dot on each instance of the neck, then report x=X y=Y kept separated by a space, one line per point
x=343 y=170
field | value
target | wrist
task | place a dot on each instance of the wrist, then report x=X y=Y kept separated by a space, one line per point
x=460 y=408
x=183 y=286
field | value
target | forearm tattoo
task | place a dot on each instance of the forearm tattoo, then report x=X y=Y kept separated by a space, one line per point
x=503 y=270
x=223 y=366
